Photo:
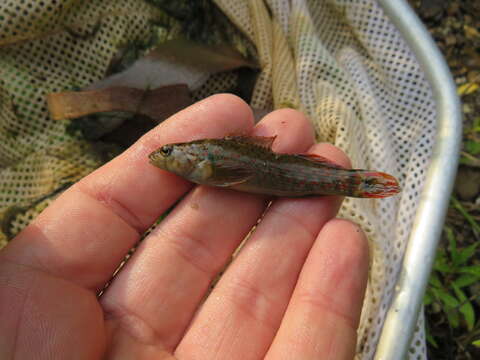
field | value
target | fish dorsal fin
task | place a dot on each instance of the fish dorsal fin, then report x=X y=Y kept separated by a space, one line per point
x=320 y=160
x=263 y=141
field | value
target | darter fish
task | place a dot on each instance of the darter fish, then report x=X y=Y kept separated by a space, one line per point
x=247 y=163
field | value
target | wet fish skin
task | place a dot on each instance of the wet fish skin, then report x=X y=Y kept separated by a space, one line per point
x=247 y=163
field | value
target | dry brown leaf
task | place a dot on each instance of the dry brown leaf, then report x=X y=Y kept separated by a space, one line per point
x=205 y=58
x=157 y=104
x=177 y=61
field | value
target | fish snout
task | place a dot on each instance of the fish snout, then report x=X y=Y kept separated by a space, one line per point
x=157 y=159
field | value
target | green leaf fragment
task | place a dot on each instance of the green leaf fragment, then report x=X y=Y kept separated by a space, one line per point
x=472 y=147
x=453 y=318
x=466 y=280
x=431 y=340
x=435 y=281
x=442 y=266
x=466 y=254
x=474 y=270
x=459 y=207
x=427 y=298
x=447 y=299
x=452 y=242
x=466 y=308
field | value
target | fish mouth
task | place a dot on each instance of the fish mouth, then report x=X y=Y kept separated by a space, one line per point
x=156 y=159
x=152 y=155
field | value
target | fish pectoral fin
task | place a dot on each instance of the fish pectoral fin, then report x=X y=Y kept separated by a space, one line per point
x=230 y=177
x=263 y=141
x=230 y=182
x=202 y=172
x=320 y=159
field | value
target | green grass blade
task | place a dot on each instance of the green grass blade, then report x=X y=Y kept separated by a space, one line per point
x=466 y=309
x=447 y=299
x=466 y=254
x=474 y=270
x=452 y=243
x=466 y=280
x=459 y=207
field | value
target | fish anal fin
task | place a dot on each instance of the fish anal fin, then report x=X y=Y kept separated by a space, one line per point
x=263 y=141
x=321 y=160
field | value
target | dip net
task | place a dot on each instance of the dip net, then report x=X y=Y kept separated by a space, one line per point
x=343 y=63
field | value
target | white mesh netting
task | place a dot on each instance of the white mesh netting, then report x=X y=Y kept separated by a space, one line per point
x=341 y=62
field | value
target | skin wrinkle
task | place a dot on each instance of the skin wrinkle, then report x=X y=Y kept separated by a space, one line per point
x=41 y=263
x=109 y=301
x=17 y=326
x=330 y=348
x=29 y=306
x=130 y=322
x=247 y=298
x=115 y=206
x=7 y=259
x=102 y=192
x=45 y=228
x=182 y=245
x=193 y=248
x=292 y=219
x=220 y=335
x=17 y=333
x=138 y=328
x=223 y=339
x=324 y=302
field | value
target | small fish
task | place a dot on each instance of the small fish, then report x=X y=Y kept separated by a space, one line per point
x=247 y=163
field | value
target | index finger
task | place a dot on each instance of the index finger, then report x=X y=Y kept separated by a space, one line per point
x=88 y=230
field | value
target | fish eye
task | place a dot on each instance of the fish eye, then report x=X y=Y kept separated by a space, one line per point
x=166 y=150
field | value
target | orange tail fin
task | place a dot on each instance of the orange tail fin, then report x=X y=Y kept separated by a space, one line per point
x=377 y=185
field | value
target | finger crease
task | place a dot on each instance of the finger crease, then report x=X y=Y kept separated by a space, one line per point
x=117 y=208
x=325 y=302
x=133 y=324
x=193 y=250
x=295 y=220
x=253 y=302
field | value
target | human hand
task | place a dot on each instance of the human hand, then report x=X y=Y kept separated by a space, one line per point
x=294 y=291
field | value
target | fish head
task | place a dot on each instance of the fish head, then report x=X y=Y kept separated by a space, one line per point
x=184 y=159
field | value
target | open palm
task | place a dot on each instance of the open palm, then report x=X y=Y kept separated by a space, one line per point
x=295 y=290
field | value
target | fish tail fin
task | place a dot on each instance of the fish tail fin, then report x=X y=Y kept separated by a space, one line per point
x=376 y=184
